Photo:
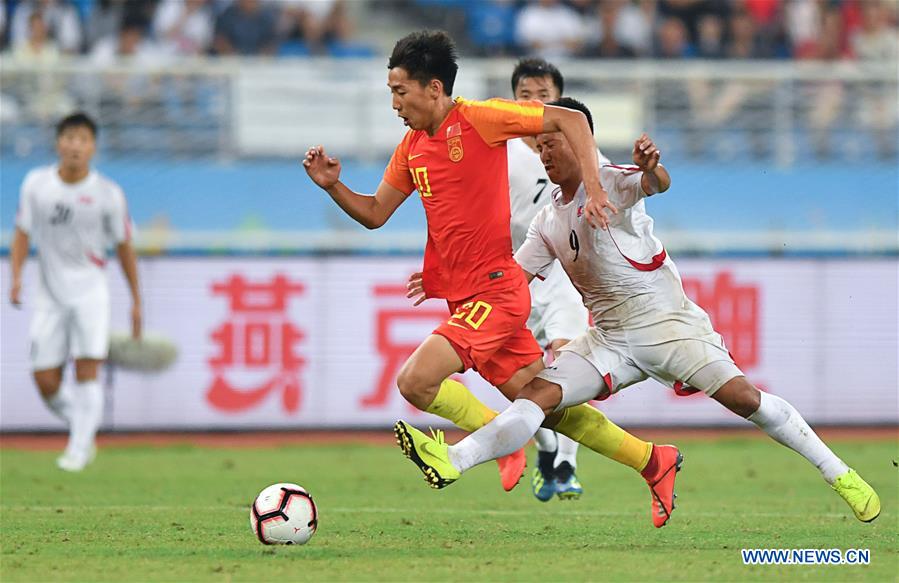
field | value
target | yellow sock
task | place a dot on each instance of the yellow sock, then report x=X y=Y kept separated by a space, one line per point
x=456 y=403
x=588 y=426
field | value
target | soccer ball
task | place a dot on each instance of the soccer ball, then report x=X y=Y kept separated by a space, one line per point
x=284 y=514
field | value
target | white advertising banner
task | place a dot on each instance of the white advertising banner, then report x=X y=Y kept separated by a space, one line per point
x=318 y=342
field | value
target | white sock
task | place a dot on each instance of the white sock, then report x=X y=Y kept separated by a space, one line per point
x=785 y=425
x=567 y=451
x=64 y=406
x=508 y=432
x=61 y=404
x=88 y=417
x=545 y=440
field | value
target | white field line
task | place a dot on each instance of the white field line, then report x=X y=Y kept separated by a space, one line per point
x=450 y=511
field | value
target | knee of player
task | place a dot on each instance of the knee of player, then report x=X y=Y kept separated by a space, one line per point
x=87 y=370
x=545 y=394
x=749 y=399
x=47 y=383
x=740 y=396
x=410 y=382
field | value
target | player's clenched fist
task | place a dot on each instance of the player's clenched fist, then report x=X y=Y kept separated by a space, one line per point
x=321 y=168
x=646 y=154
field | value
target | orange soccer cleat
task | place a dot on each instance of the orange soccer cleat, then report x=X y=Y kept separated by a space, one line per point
x=664 y=463
x=511 y=468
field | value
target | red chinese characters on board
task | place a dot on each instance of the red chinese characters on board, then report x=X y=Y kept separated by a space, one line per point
x=257 y=338
x=735 y=314
x=393 y=350
x=734 y=311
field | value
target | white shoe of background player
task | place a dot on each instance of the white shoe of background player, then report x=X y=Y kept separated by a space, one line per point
x=72 y=461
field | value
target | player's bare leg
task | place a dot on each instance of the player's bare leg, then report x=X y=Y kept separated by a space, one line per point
x=423 y=381
x=48 y=382
x=434 y=360
x=88 y=415
x=784 y=424
x=513 y=387
x=58 y=399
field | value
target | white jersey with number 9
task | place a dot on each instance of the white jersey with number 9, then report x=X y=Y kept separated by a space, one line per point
x=557 y=311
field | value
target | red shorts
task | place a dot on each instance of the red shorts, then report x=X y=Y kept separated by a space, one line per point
x=489 y=334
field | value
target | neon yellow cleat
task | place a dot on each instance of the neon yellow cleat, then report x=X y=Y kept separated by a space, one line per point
x=859 y=495
x=428 y=453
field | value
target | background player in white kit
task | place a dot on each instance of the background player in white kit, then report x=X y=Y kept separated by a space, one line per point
x=645 y=325
x=71 y=214
x=557 y=312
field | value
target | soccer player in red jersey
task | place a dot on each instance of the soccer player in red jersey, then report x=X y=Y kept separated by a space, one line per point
x=454 y=155
x=645 y=327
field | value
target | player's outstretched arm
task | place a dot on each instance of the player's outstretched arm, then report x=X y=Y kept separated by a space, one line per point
x=18 y=252
x=128 y=260
x=573 y=124
x=646 y=156
x=369 y=211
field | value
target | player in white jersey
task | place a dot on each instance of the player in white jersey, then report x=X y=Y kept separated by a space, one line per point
x=557 y=313
x=71 y=214
x=645 y=326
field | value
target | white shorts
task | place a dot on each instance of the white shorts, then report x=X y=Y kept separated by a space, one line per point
x=598 y=364
x=79 y=331
x=557 y=310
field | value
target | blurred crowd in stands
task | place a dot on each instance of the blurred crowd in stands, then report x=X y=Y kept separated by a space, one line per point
x=154 y=30
x=187 y=113
x=42 y=30
x=678 y=29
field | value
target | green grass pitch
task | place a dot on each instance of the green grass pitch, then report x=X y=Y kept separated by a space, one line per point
x=180 y=513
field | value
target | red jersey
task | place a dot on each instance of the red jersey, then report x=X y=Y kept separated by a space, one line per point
x=462 y=176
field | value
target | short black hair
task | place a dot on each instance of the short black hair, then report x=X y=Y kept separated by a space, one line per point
x=570 y=103
x=426 y=55
x=535 y=67
x=76 y=120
